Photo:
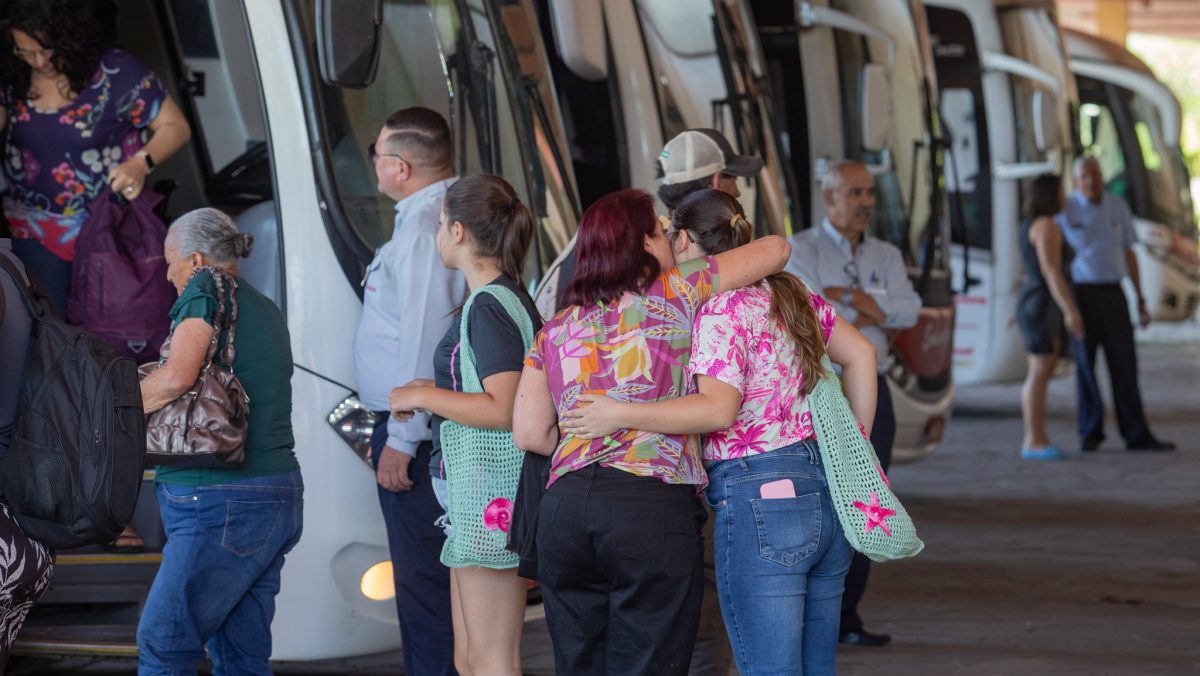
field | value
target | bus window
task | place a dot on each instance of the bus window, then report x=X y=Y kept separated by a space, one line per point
x=351 y=118
x=1100 y=137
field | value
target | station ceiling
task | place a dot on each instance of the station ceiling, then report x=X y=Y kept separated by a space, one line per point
x=1176 y=18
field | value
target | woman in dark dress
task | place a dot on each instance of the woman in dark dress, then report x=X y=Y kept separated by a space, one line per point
x=1046 y=310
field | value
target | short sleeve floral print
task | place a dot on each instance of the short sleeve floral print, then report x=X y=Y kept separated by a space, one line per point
x=58 y=161
x=735 y=341
x=635 y=349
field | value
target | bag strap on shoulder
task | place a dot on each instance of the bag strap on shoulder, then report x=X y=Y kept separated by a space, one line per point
x=36 y=300
x=223 y=322
x=516 y=311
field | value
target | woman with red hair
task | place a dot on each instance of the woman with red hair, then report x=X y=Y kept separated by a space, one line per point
x=618 y=536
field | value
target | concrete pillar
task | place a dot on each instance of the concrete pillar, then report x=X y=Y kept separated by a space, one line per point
x=1112 y=20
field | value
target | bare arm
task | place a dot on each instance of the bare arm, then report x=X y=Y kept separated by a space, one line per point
x=753 y=262
x=171 y=131
x=854 y=353
x=535 y=422
x=1047 y=241
x=714 y=408
x=491 y=409
x=189 y=345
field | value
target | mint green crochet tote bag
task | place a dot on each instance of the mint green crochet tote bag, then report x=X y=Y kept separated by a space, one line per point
x=482 y=466
x=873 y=520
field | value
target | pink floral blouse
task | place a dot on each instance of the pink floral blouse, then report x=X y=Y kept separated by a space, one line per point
x=735 y=341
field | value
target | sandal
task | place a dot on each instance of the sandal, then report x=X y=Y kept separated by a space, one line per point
x=128 y=542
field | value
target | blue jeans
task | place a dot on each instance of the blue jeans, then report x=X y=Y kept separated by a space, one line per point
x=219 y=576
x=780 y=562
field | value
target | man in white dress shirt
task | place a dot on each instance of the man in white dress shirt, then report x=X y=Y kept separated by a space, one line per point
x=409 y=299
x=867 y=281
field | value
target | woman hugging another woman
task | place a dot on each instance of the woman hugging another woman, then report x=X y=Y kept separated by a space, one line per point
x=756 y=354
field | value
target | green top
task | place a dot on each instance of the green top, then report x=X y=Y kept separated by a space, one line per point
x=264 y=366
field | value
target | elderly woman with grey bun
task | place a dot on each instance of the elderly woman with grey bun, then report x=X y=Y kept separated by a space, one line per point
x=228 y=530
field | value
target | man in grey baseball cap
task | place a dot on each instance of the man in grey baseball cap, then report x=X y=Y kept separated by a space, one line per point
x=701 y=158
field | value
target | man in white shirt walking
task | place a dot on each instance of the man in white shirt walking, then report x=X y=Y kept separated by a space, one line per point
x=409 y=298
x=867 y=281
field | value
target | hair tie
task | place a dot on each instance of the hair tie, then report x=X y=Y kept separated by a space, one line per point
x=733 y=222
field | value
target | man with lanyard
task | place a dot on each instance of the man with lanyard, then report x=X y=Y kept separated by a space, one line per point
x=867 y=281
x=409 y=299
x=1099 y=227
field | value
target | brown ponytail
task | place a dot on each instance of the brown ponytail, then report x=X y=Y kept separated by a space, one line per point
x=500 y=224
x=716 y=223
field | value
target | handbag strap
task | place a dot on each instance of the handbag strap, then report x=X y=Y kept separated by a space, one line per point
x=223 y=322
x=516 y=311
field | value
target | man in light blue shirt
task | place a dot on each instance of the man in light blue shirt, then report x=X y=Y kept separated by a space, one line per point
x=1098 y=225
x=409 y=299
x=867 y=281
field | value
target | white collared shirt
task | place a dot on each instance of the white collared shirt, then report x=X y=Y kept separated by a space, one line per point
x=409 y=299
x=821 y=257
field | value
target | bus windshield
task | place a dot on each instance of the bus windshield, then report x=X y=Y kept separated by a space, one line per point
x=908 y=200
x=1032 y=35
x=478 y=63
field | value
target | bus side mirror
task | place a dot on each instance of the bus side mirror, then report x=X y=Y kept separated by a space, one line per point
x=348 y=41
x=876 y=113
x=579 y=36
x=1046 y=130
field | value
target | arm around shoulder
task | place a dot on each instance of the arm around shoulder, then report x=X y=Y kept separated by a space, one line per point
x=753 y=262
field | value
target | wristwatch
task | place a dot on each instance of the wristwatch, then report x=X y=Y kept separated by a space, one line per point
x=149 y=160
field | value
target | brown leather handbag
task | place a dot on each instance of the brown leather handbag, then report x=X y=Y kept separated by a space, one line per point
x=206 y=426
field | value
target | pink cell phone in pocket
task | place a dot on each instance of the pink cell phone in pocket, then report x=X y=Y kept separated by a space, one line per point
x=773 y=490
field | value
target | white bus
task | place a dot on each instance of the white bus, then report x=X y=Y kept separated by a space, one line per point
x=661 y=66
x=1007 y=107
x=1131 y=122
x=282 y=147
x=854 y=79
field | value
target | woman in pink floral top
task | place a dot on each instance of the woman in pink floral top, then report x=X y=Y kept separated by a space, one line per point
x=618 y=536
x=780 y=552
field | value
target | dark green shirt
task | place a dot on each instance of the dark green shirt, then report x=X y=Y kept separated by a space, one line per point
x=264 y=366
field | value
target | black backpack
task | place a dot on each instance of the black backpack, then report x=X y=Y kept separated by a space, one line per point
x=74 y=468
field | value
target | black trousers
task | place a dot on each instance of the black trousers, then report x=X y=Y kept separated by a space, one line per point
x=1106 y=323
x=620 y=562
x=422 y=582
x=883 y=435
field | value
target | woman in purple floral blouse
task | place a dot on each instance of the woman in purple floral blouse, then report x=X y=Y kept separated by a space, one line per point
x=78 y=118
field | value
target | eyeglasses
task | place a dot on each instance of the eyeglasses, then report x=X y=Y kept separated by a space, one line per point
x=372 y=155
x=32 y=53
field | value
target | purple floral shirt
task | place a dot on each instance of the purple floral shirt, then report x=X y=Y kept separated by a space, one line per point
x=58 y=161
x=735 y=341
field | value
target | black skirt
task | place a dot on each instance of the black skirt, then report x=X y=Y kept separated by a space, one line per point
x=1041 y=323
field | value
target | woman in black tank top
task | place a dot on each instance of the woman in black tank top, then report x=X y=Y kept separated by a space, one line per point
x=1046 y=311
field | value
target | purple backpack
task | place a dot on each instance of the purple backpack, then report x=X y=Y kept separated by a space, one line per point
x=119 y=287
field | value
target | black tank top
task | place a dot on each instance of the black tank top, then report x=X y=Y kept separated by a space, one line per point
x=1035 y=281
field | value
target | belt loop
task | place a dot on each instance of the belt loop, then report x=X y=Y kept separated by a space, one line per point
x=743 y=464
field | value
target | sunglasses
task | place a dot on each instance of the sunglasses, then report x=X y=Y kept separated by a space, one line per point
x=372 y=155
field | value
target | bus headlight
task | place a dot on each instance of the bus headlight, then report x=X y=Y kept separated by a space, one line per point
x=354 y=424
x=377 y=583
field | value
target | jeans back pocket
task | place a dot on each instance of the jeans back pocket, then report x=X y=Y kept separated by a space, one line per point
x=249 y=525
x=789 y=529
